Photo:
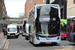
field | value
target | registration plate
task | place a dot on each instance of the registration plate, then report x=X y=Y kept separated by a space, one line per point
x=48 y=38
x=12 y=35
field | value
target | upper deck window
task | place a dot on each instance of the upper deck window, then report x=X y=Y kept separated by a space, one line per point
x=47 y=13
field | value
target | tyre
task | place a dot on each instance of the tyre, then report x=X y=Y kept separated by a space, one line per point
x=35 y=45
x=64 y=38
x=26 y=38
x=19 y=35
x=16 y=36
x=23 y=34
x=30 y=40
x=7 y=37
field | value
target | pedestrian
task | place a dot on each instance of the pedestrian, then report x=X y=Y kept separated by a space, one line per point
x=4 y=31
x=63 y=27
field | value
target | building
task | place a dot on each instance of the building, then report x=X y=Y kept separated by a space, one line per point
x=63 y=5
x=21 y=15
x=3 y=12
x=70 y=8
x=30 y=4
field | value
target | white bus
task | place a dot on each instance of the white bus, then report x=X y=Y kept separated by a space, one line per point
x=20 y=28
x=12 y=30
x=44 y=24
x=27 y=31
x=25 y=21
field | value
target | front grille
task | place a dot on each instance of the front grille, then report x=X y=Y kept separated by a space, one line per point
x=48 y=43
x=12 y=34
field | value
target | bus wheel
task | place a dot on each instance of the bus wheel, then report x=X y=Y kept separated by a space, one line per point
x=64 y=38
x=26 y=37
x=35 y=44
x=7 y=37
x=30 y=40
x=16 y=36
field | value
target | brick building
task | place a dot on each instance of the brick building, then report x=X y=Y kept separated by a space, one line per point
x=30 y=4
x=3 y=13
x=70 y=8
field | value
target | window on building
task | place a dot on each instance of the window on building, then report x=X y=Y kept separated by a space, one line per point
x=30 y=0
x=43 y=1
x=34 y=3
x=74 y=1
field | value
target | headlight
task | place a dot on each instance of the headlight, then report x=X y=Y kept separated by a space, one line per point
x=27 y=33
x=37 y=37
x=58 y=38
x=16 y=33
x=8 y=33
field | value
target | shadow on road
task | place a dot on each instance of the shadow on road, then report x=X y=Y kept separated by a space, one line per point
x=12 y=38
x=72 y=44
x=45 y=45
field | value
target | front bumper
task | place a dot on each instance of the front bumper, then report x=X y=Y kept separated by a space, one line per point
x=15 y=34
x=48 y=43
x=48 y=40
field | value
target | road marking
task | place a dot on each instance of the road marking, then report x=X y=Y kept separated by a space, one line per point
x=6 y=45
x=63 y=49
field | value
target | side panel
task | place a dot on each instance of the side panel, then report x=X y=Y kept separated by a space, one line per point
x=31 y=21
x=70 y=32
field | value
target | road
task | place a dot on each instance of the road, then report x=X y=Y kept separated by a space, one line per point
x=22 y=44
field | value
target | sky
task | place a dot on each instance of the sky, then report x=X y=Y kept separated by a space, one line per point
x=15 y=7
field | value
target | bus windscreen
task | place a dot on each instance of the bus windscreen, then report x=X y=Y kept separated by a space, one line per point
x=47 y=21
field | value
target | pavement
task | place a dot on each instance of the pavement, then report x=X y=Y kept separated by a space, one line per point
x=2 y=40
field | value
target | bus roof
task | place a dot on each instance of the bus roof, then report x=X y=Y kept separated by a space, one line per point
x=12 y=26
x=47 y=4
x=70 y=17
x=44 y=5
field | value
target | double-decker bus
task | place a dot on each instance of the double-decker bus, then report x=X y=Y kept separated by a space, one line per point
x=71 y=29
x=44 y=24
x=64 y=29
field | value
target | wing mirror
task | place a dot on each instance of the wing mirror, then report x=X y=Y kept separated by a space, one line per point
x=32 y=26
